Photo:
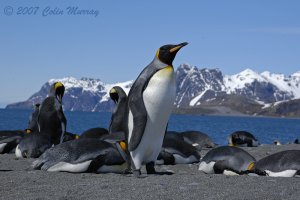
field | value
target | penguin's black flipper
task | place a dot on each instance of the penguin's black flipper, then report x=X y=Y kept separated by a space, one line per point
x=222 y=165
x=137 y=106
x=63 y=120
x=167 y=157
x=96 y=163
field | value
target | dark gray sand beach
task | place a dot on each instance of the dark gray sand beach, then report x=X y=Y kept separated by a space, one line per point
x=19 y=181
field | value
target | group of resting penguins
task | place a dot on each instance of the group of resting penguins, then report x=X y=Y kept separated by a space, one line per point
x=137 y=134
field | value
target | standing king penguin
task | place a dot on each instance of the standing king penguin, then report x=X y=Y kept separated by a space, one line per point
x=150 y=103
x=51 y=118
x=118 y=122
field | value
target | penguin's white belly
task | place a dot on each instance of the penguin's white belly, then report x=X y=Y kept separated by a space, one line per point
x=18 y=152
x=68 y=167
x=207 y=168
x=159 y=97
x=2 y=146
x=285 y=173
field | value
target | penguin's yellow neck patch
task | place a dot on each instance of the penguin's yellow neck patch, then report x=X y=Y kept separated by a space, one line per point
x=28 y=131
x=165 y=72
x=250 y=167
x=232 y=145
x=113 y=90
x=123 y=145
x=157 y=54
x=58 y=84
x=76 y=137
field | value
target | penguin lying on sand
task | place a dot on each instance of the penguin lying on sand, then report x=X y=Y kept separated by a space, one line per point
x=84 y=155
x=242 y=139
x=227 y=160
x=94 y=133
x=281 y=164
x=91 y=153
x=198 y=139
x=33 y=145
x=10 y=139
x=177 y=151
x=150 y=102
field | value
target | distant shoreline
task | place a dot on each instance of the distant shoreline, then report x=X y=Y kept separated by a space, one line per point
x=178 y=113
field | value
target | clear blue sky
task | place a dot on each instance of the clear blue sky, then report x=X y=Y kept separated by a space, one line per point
x=123 y=38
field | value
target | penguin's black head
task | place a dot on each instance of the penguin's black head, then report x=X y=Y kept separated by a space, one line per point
x=167 y=53
x=57 y=90
x=113 y=93
x=234 y=138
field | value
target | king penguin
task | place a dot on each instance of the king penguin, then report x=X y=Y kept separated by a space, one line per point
x=227 y=160
x=150 y=102
x=242 y=139
x=33 y=118
x=176 y=151
x=51 y=118
x=84 y=155
x=33 y=145
x=281 y=164
x=118 y=122
x=10 y=139
x=198 y=139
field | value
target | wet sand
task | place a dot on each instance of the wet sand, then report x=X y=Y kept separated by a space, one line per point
x=19 y=181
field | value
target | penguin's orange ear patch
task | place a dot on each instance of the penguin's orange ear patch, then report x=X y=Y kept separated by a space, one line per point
x=250 y=167
x=58 y=84
x=28 y=130
x=123 y=145
x=113 y=90
x=157 y=54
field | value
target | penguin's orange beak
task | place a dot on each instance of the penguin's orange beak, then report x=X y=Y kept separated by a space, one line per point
x=178 y=47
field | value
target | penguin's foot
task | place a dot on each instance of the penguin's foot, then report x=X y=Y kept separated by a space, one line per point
x=136 y=172
x=151 y=170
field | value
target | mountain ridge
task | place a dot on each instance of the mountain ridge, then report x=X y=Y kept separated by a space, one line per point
x=247 y=92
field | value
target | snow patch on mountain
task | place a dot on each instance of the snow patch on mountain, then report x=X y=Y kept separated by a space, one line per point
x=87 y=84
x=241 y=80
x=124 y=85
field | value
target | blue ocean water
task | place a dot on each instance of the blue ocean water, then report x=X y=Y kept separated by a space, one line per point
x=218 y=127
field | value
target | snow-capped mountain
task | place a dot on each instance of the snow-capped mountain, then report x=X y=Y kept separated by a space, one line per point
x=247 y=92
x=195 y=86
x=203 y=86
x=83 y=94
